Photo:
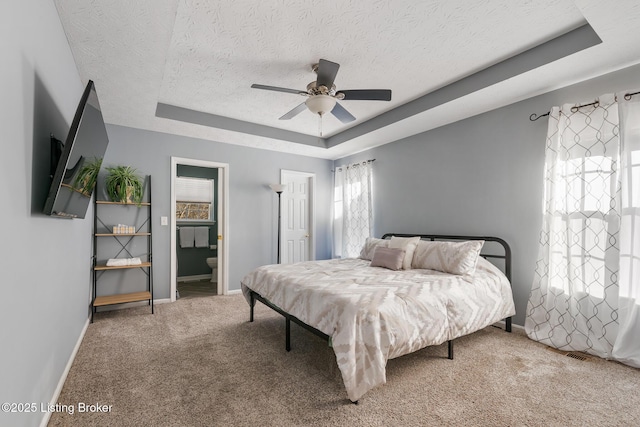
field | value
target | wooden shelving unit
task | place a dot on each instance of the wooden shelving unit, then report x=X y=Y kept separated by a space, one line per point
x=107 y=202
x=121 y=298
x=120 y=267
x=121 y=234
x=100 y=232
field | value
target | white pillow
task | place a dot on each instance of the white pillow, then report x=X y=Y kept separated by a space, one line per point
x=370 y=246
x=409 y=245
x=449 y=257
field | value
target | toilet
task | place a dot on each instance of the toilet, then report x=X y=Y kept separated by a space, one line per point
x=213 y=263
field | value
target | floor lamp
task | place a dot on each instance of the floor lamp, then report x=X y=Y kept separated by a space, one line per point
x=278 y=188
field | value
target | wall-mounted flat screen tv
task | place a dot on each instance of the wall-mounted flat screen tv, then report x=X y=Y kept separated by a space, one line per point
x=71 y=186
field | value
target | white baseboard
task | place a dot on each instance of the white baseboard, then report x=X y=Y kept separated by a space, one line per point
x=234 y=291
x=63 y=378
x=195 y=278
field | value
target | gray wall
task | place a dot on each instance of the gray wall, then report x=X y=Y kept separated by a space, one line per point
x=45 y=263
x=252 y=204
x=479 y=176
x=193 y=261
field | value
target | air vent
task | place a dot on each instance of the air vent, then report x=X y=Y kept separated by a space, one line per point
x=577 y=356
x=572 y=354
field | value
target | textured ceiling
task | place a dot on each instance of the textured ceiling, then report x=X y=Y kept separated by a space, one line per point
x=204 y=56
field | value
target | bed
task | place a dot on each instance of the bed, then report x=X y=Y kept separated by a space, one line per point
x=370 y=314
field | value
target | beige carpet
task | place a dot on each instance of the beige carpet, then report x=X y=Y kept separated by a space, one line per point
x=199 y=362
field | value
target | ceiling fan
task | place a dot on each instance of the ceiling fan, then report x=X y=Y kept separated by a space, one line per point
x=323 y=96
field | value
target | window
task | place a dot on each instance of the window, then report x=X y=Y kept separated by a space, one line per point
x=630 y=240
x=587 y=184
x=584 y=186
x=353 y=216
x=194 y=199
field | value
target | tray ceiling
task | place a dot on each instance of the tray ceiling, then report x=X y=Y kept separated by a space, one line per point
x=185 y=67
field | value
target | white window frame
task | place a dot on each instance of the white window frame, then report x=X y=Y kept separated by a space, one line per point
x=196 y=195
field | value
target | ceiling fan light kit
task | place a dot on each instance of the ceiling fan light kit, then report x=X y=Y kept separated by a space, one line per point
x=323 y=96
x=321 y=104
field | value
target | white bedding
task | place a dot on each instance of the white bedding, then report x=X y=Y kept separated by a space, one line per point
x=373 y=314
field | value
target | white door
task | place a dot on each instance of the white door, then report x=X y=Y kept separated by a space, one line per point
x=297 y=217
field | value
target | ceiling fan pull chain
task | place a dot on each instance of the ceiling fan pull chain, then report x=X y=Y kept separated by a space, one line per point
x=320 y=125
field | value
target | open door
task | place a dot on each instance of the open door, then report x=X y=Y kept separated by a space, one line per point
x=222 y=215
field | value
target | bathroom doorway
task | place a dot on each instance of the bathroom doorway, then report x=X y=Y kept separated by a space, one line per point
x=199 y=228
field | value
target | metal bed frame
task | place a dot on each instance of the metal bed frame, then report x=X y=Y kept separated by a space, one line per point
x=254 y=296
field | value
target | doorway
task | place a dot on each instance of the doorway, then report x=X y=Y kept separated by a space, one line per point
x=218 y=242
x=298 y=216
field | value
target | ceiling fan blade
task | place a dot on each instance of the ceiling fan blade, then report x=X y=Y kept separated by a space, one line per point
x=299 y=109
x=341 y=114
x=327 y=72
x=366 y=95
x=279 y=89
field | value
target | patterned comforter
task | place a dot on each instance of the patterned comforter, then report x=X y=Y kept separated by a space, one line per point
x=373 y=314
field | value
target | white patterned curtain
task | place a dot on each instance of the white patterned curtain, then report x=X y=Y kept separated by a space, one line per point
x=586 y=291
x=627 y=345
x=353 y=210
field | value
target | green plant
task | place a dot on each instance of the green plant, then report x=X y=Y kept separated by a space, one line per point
x=123 y=184
x=87 y=176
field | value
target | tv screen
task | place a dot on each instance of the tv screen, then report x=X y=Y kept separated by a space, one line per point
x=72 y=184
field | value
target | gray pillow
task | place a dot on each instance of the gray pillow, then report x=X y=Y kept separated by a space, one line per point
x=390 y=258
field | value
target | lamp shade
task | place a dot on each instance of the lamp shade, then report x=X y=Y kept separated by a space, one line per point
x=321 y=104
x=278 y=188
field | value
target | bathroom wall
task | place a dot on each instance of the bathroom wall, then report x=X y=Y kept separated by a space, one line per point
x=192 y=261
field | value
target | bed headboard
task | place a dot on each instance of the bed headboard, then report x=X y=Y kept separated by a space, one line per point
x=505 y=255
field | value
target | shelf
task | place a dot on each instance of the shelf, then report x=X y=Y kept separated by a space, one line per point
x=118 y=267
x=121 y=298
x=104 y=252
x=107 y=202
x=121 y=234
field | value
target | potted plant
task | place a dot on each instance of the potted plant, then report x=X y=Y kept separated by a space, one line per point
x=87 y=176
x=124 y=185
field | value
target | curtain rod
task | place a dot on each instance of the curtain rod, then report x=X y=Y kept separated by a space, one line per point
x=355 y=164
x=575 y=108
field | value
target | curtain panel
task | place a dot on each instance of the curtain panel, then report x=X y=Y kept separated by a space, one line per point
x=585 y=291
x=353 y=209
